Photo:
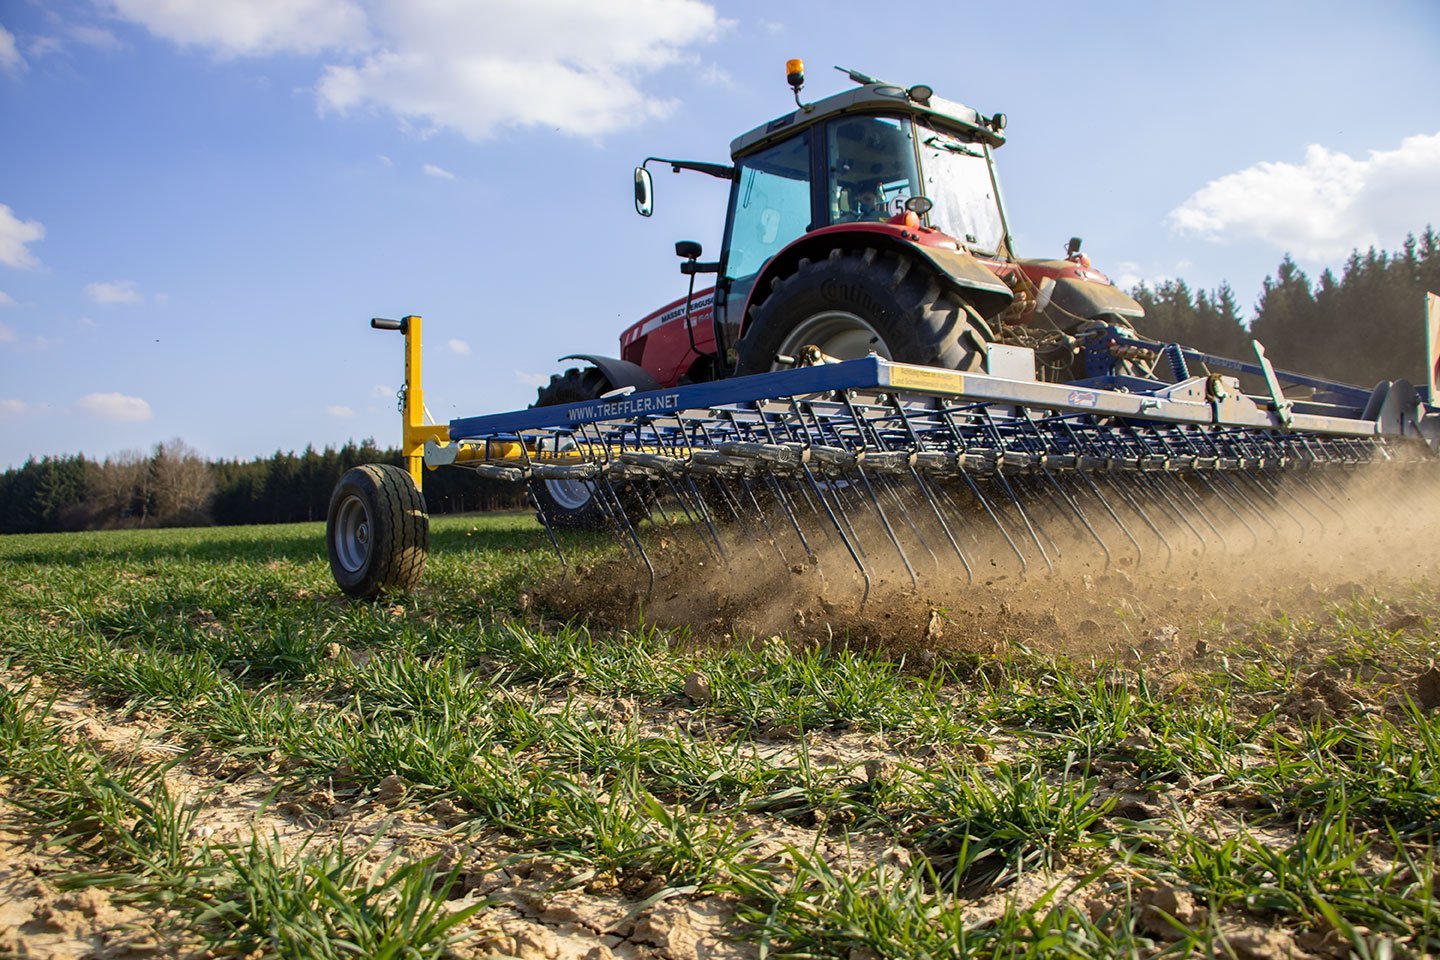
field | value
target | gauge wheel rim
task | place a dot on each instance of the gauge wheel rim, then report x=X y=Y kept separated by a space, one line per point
x=353 y=534
x=570 y=494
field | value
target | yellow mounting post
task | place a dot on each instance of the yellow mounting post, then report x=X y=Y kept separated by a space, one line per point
x=412 y=406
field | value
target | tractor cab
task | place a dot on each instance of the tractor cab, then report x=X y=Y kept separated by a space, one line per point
x=905 y=161
x=875 y=181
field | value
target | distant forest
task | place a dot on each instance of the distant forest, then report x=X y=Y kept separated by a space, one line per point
x=174 y=486
x=1361 y=327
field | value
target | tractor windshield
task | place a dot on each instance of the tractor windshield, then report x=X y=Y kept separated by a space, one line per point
x=958 y=182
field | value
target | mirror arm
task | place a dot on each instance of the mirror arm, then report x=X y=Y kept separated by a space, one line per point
x=719 y=170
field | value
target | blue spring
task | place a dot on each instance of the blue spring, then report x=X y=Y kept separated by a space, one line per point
x=1179 y=369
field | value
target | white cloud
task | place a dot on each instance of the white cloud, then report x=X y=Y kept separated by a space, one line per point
x=382 y=392
x=114 y=406
x=115 y=291
x=15 y=237
x=43 y=47
x=460 y=347
x=254 y=27
x=568 y=65
x=12 y=408
x=714 y=75
x=83 y=34
x=7 y=334
x=439 y=172
x=1326 y=206
x=336 y=410
x=92 y=36
x=1128 y=276
x=6 y=300
x=10 y=59
x=772 y=27
x=532 y=379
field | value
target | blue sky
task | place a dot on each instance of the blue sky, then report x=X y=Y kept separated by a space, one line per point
x=202 y=202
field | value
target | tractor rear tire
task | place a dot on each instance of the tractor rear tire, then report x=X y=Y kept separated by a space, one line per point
x=852 y=303
x=571 y=504
x=377 y=531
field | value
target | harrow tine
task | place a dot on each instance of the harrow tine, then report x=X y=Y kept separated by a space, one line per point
x=890 y=486
x=929 y=494
x=1009 y=490
x=1127 y=493
x=549 y=531
x=889 y=530
x=1065 y=496
x=837 y=466
x=761 y=513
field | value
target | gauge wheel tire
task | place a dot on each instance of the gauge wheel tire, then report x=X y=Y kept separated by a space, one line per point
x=574 y=504
x=377 y=531
x=852 y=303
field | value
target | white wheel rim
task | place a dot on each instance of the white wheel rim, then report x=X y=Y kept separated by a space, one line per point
x=837 y=333
x=570 y=494
x=352 y=534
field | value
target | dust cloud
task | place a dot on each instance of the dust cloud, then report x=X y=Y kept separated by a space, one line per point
x=1226 y=559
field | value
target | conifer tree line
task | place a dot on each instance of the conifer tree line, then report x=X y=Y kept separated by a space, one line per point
x=1363 y=326
x=174 y=486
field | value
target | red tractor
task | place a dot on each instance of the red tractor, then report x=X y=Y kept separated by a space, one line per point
x=869 y=221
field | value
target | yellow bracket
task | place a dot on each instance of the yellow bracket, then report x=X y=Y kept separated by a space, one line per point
x=415 y=431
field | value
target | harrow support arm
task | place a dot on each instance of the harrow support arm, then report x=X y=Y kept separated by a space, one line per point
x=415 y=431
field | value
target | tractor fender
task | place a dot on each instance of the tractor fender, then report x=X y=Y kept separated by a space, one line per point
x=620 y=373
x=983 y=289
x=1074 y=301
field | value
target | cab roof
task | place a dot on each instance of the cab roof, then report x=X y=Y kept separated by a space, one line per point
x=868 y=98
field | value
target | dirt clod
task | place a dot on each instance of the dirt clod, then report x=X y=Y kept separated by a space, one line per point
x=1404 y=621
x=390 y=790
x=1426 y=689
x=668 y=928
x=697 y=688
x=877 y=770
x=1165 y=911
x=1260 y=943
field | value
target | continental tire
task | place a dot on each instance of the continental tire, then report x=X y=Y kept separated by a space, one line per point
x=572 y=504
x=376 y=531
x=853 y=302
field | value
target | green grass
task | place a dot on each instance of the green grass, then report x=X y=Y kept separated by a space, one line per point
x=575 y=746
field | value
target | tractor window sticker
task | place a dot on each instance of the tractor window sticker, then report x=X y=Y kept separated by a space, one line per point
x=773 y=207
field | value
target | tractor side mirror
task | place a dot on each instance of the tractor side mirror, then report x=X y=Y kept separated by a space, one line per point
x=688 y=249
x=644 y=192
x=1073 y=247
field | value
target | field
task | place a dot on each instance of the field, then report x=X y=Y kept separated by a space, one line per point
x=206 y=751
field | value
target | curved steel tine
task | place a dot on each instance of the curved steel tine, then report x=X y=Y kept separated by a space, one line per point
x=929 y=495
x=850 y=546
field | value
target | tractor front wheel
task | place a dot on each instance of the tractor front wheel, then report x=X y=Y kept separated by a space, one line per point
x=852 y=303
x=376 y=531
